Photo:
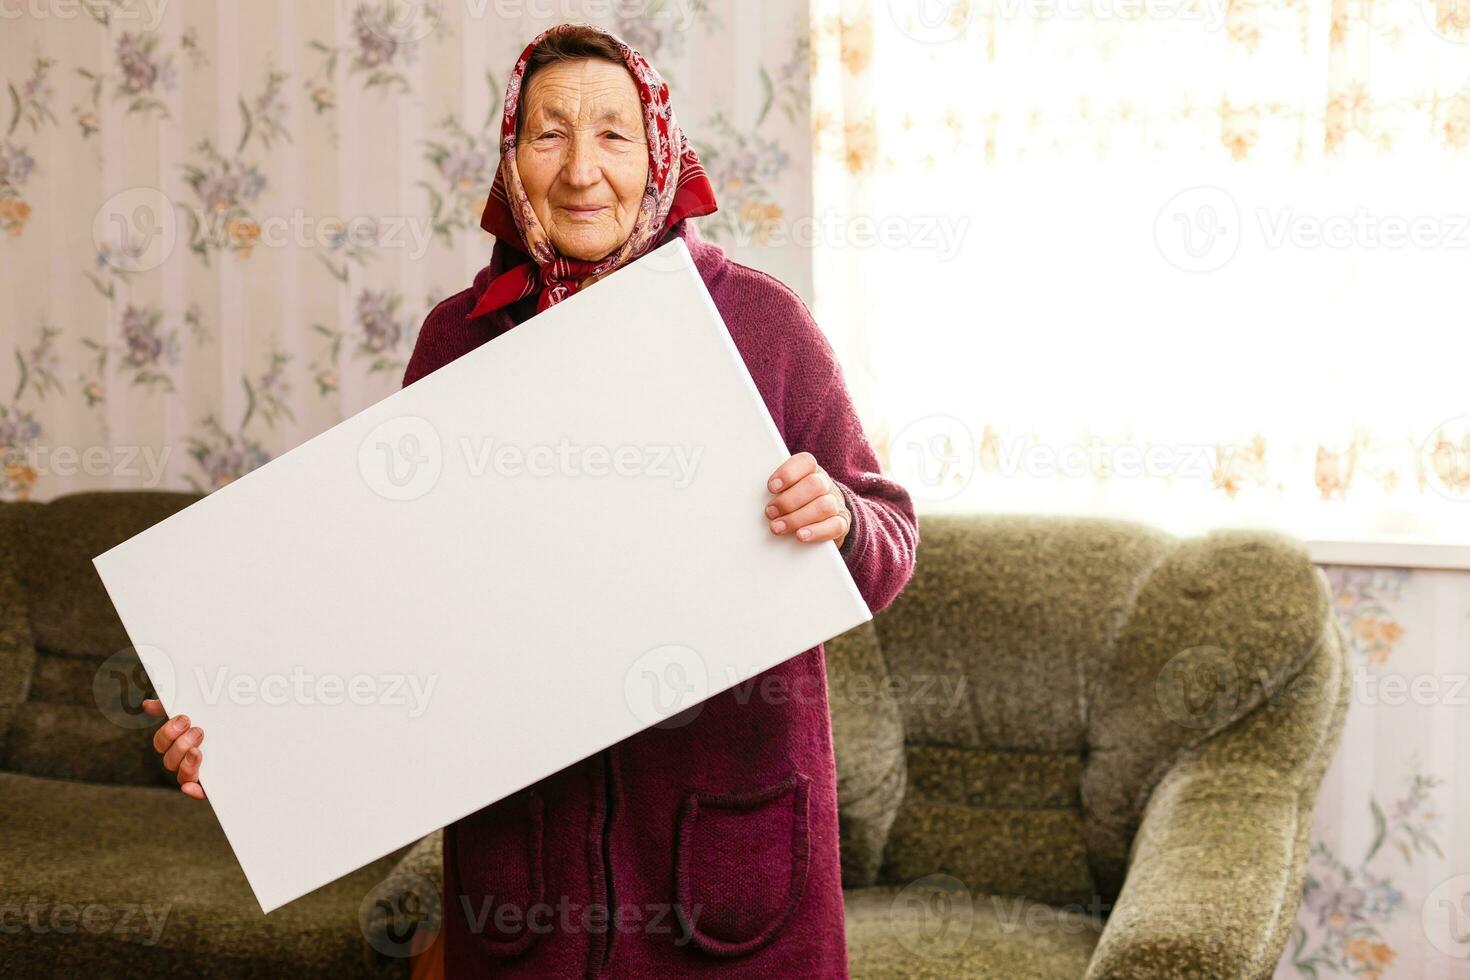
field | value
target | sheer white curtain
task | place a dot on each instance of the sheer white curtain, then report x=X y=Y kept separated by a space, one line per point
x=1198 y=262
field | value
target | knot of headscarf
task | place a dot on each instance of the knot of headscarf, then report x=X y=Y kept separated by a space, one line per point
x=677 y=188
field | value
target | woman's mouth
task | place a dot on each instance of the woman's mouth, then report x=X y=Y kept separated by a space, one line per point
x=583 y=212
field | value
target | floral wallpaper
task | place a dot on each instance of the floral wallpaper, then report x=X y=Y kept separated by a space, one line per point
x=1388 y=882
x=222 y=225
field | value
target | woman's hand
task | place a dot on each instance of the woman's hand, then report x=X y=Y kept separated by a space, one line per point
x=807 y=502
x=179 y=746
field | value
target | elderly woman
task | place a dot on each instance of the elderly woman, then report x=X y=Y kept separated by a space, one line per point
x=706 y=845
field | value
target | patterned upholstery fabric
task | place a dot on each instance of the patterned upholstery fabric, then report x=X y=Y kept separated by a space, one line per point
x=127 y=879
x=867 y=736
x=58 y=629
x=1073 y=691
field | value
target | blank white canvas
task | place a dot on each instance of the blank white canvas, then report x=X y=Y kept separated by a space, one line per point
x=528 y=618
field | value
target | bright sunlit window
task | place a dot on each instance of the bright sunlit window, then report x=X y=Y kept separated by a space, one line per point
x=1200 y=277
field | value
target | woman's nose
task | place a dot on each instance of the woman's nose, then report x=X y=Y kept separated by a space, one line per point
x=582 y=167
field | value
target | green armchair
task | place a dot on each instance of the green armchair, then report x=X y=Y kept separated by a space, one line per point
x=1095 y=752
x=1071 y=748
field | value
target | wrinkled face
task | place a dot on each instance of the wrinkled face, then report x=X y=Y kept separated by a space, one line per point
x=583 y=155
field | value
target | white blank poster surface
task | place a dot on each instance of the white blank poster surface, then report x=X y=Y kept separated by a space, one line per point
x=540 y=549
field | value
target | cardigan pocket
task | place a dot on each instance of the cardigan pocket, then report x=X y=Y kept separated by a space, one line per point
x=740 y=865
x=500 y=855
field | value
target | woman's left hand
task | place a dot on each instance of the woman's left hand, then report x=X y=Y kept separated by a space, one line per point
x=807 y=502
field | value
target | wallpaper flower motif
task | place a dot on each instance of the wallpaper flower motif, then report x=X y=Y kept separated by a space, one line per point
x=142 y=75
x=348 y=245
x=222 y=456
x=15 y=169
x=382 y=330
x=378 y=55
x=664 y=28
x=147 y=355
x=226 y=187
x=1366 y=600
x=464 y=165
x=20 y=431
x=265 y=115
x=745 y=167
x=30 y=104
x=1348 y=908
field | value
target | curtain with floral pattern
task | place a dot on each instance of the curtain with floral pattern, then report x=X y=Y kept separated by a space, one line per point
x=1194 y=261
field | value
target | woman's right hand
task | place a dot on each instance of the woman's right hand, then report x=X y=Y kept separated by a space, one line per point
x=179 y=746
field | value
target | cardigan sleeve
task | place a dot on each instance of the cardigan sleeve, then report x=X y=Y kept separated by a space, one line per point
x=443 y=337
x=882 y=544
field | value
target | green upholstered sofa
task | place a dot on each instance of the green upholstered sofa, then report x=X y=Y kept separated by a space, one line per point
x=1071 y=748
x=108 y=870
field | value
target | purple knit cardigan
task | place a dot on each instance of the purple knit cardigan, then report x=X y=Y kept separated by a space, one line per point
x=706 y=846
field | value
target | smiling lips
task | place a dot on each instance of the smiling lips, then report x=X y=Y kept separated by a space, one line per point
x=582 y=212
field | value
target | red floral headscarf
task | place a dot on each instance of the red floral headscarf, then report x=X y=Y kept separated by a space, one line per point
x=677 y=188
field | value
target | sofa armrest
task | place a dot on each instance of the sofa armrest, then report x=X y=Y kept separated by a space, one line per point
x=403 y=914
x=1213 y=869
x=867 y=740
x=426 y=858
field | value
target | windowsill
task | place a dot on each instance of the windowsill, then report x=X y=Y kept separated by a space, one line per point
x=1390 y=552
x=1395 y=544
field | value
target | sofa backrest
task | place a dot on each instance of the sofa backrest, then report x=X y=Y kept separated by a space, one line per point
x=70 y=685
x=1044 y=672
x=1003 y=722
